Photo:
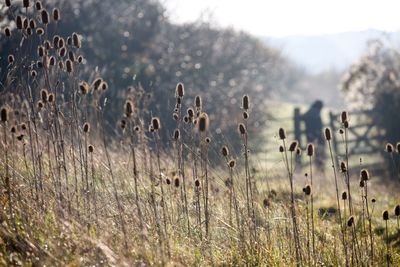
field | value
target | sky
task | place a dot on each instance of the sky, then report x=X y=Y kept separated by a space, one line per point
x=280 y=18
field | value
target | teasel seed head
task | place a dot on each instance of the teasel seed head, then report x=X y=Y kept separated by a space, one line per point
x=18 y=22
x=398 y=147
x=25 y=23
x=389 y=148
x=207 y=140
x=155 y=122
x=40 y=105
x=10 y=59
x=96 y=84
x=104 y=86
x=51 y=98
x=346 y=124
x=91 y=148
x=362 y=183
x=136 y=129
x=122 y=124
x=385 y=215
x=129 y=108
x=203 y=122
x=76 y=40
x=198 y=102
x=245 y=115
x=86 y=127
x=56 y=14
x=397 y=210
x=310 y=150
x=266 y=203
x=84 y=87
x=245 y=102
x=197 y=183
x=4 y=114
x=344 y=195
x=190 y=112
x=281 y=149
x=71 y=56
x=167 y=181
x=176 y=182
x=39 y=31
x=344 y=116
x=25 y=3
x=177 y=134
x=61 y=43
x=298 y=151
x=364 y=174
x=52 y=61
x=80 y=59
x=70 y=67
x=293 y=146
x=341 y=131
x=7 y=32
x=44 y=95
x=350 y=221
x=232 y=163
x=32 y=24
x=61 y=65
x=180 y=90
x=33 y=73
x=373 y=200
x=38 y=5
x=45 y=17
x=307 y=190
x=343 y=167
x=8 y=3
x=225 y=151
x=175 y=116
x=13 y=129
x=242 y=129
x=328 y=134
x=282 y=134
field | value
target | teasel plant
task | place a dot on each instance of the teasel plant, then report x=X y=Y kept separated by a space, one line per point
x=385 y=217
x=310 y=154
x=365 y=177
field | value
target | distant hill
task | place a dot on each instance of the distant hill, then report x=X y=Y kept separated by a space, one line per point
x=332 y=51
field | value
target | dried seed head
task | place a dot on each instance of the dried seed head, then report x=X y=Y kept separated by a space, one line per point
x=56 y=14
x=344 y=116
x=76 y=40
x=245 y=115
x=83 y=87
x=91 y=149
x=198 y=102
x=45 y=16
x=385 y=215
x=51 y=98
x=242 y=129
x=328 y=134
x=343 y=167
x=232 y=163
x=29 y=31
x=10 y=59
x=344 y=195
x=398 y=147
x=25 y=23
x=282 y=134
x=38 y=5
x=266 y=203
x=186 y=119
x=96 y=83
x=350 y=221
x=39 y=31
x=397 y=210
x=122 y=124
x=52 y=61
x=203 y=122
x=44 y=95
x=197 y=183
x=32 y=24
x=225 y=151
x=8 y=3
x=245 y=102
x=70 y=67
x=71 y=56
x=80 y=59
x=175 y=116
x=61 y=42
x=61 y=64
x=180 y=90
x=281 y=149
x=373 y=200
x=310 y=150
x=25 y=3
x=129 y=108
x=362 y=183
x=4 y=114
x=176 y=182
x=137 y=129
x=155 y=122
x=341 y=131
x=40 y=105
x=86 y=127
x=41 y=51
x=7 y=32
x=346 y=124
x=207 y=140
x=104 y=86
x=293 y=146
x=298 y=151
x=190 y=112
x=389 y=148
x=364 y=175
x=307 y=190
x=177 y=134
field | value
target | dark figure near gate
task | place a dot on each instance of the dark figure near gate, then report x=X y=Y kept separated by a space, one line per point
x=314 y=132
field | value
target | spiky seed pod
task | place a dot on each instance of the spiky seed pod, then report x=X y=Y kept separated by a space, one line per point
x=245 y=115
x=71 y=56
x=364 y=174
x=298 y=151
x=385 y=215
x=397 y=210
x=70 y=67
x=96 y=83
x=76 y=40
x=245 y=102
x=13 y=129
x=186 y=119
x=346 y=124
x=32 y=24
x=44 y=95
x=52 y=61
x=39 y=64
x=293 y=146
x=307 y=190
x=203 y=122
x=62 y=52
x=178 y=101
x=104 y=86
x=225 y=151
x=341 y=131
x=328 y=134
x=310 y=150
x=129 y=108
x=18 y=22
x=122 y=124
x=266 y=203
x=167 y=181
x=38 y=5
x=175 y=116
x=56 y=14
x=198 y=102
x=45 y=16
x=41 y=51
x=242 y=129
x=23 y=126
x=47 y=45
x=51 y=98
x=389 y=148
x=343 y=166
x=33 y=73
x=26 y=3
x=61 y=43
x=176 y=182
x=362 y=183
x=177 y=134
x=39 y=31
x=281 y=149
x=137 y=129
x=155 y=123
x=4 y=114
x=232 y=163
x=20 y=137
x=91 y=148
x=190 y=112
x=344 y=116
x=208 y=140
x=40 y=105
x=80 y=59
x=344 y=195
x=180 y=90
x=373 y=200
x=398 y=147
x=83 y=87
x=69 y=40
x=282 y=134
x=350 y=221
x=25 y=23
x=7 y=32
x=10 y=59
x=86 y=127
x=61 y=65
x=8 y=3
x=197 y=183
x=29 y=31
